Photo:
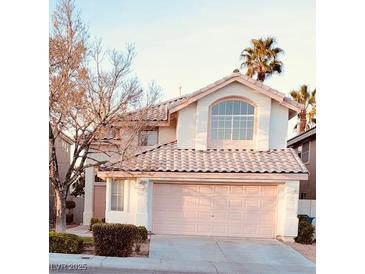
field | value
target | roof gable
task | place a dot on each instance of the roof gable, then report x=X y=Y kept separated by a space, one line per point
x=246 y=81
x=161 y=111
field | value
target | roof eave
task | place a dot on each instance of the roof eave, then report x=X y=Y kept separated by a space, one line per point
x=249 y=177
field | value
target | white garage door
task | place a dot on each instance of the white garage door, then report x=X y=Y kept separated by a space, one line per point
x=214 y=210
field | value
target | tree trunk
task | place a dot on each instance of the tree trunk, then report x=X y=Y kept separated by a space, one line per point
x=60 y=211
x=303 y=124
x=302 y=121
x=260 y=76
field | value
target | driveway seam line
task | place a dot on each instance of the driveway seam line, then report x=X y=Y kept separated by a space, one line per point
x=216 y=269
x=220 y=249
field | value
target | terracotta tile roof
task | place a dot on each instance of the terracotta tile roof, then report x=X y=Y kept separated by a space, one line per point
x=160 y=111
x=168 y=158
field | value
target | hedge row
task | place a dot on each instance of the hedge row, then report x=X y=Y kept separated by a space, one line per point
x=65 y=243
x=115 y=239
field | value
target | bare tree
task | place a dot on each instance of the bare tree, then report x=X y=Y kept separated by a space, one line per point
x=86 y=100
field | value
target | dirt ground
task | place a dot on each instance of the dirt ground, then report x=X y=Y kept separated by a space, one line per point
x=308 y=251
x=144 y=250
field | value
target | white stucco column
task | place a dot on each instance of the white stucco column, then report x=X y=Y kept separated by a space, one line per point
x=89 y=195
x=108 y=197
x=287 y=224
x=143 y=187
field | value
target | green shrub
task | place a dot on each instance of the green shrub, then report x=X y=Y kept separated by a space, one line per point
x=143 y=232
x=103 y=220
x=303 y=217
x=114 y=239
x=65 y=243
x=305 y=232
x=94 y=221
x=70 y=205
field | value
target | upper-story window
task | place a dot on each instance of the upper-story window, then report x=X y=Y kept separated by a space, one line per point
x=147 y=138
x=232 y=120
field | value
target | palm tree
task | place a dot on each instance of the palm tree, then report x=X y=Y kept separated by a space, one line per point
x=262 y=59
x=307 y=117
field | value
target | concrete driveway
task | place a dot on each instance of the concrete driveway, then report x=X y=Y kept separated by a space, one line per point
x=228 y=255
x=179 y=254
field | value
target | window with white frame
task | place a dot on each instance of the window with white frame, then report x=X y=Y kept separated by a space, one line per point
x=147 y=138
x=117 y=195
x=232 y=120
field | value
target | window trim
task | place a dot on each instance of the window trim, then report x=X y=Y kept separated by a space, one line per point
x=111 y=195
x=212 y=143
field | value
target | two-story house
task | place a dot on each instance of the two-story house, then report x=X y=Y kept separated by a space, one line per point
x=214 y=163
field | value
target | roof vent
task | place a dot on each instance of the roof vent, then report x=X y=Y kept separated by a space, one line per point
x=236 y=70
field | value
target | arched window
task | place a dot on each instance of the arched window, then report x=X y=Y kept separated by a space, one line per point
x=232 y=120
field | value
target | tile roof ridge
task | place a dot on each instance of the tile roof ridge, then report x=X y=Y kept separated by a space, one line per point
x=155 y=147
x=299 y=161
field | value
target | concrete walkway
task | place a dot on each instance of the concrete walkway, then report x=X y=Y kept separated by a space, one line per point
x=81 y=230
x=178 y=254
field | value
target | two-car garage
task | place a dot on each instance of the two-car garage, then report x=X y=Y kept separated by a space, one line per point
x=214 y=209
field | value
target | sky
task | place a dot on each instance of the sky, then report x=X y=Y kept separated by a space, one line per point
x=194 y=43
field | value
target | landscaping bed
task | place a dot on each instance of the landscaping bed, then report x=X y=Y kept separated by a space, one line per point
x=308 y=251
x=117 y=240
x=89 y=248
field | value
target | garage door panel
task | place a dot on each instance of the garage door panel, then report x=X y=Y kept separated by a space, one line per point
x=235 y=229
x=219 y=217
x=221 y=189
x=236 y=190
x=252 y=204
x=220 y=203
x=203 y=189
x=235 y=217
x=235 y=204
x=203 y=228
x=203 y=216
x=214 y=210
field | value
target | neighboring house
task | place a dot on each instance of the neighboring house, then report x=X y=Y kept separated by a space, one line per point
x=214 y=163
x=63 y=150
x=305 y=145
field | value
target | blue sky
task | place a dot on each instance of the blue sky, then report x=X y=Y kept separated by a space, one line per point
x=193 y=43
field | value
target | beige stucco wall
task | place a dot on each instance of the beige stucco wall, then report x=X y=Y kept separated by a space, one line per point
x=271 y=121
x=192 y=134
x=278 y=125
x=137 y=203
x=166 y=134
x=186 y=126
x=287 y=210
